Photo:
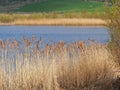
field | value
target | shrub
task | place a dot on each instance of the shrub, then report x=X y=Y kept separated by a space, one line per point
x=114 y=24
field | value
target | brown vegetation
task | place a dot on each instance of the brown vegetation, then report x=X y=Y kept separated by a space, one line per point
x=60 y=66
x=114 y=24
x=59 y=21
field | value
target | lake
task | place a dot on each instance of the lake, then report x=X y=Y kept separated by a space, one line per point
x=56 y=33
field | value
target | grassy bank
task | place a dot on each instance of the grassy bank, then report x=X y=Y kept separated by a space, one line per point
x=60 y=21
x=63 y=6
x=52 y=19
x=59 y=66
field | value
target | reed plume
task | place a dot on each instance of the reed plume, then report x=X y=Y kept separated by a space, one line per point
x=59 y=66
x=1 y=43
x=81 y=45
x=61 y=44
x=38 y=44
x=26 y=41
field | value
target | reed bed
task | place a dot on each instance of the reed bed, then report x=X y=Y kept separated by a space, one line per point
x=63 y=21
x=50 y=19
x=59 y=21
x=56 y=66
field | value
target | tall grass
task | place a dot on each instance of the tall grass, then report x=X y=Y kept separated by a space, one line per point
x=5 y=18
x=60 y=66
x=53 y=18
x=11 y=17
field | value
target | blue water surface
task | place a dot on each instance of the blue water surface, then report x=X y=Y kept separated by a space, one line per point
x=56 y=33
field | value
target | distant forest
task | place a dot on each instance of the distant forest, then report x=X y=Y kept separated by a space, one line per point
x=6 y=2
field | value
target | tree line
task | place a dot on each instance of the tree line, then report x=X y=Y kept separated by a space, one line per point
x=6 y=2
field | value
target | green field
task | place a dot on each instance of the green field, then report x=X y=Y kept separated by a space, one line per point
x=63 y=6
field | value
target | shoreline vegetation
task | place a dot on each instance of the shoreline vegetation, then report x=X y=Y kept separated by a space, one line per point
x=69 y=12
x=59 y=21
x=53 y=18
x=56 y=66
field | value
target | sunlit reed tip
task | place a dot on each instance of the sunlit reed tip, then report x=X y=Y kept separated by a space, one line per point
x=26 y=41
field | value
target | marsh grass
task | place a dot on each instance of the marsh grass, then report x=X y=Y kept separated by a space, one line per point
x=4 y=18
x=52 y=18
x=60 y=66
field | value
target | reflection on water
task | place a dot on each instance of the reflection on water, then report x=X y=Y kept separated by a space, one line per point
x=56 y=33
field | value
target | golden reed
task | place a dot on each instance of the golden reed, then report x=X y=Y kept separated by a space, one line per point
x=56 y=66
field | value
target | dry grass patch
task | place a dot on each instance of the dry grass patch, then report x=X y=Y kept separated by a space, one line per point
x=59 y=21
x=59 y=66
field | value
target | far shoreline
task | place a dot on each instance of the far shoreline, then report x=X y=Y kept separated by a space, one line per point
x=58 y=22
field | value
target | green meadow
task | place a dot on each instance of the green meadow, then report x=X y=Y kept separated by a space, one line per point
x=63 y=6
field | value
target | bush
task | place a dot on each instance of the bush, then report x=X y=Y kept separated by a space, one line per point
x=114 y=16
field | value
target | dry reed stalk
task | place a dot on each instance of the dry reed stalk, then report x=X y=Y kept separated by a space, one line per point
x=58 y=69
x=33 y=38
x=27 y=45
x=38 y=44
x=8 y=42
x=1 y=43
x=18 y=43
x=81 y=46
x=56 y=49
x=61 y=43
x=14 y=43
x=26 y=41
x=87 y=69
x=47 y=51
